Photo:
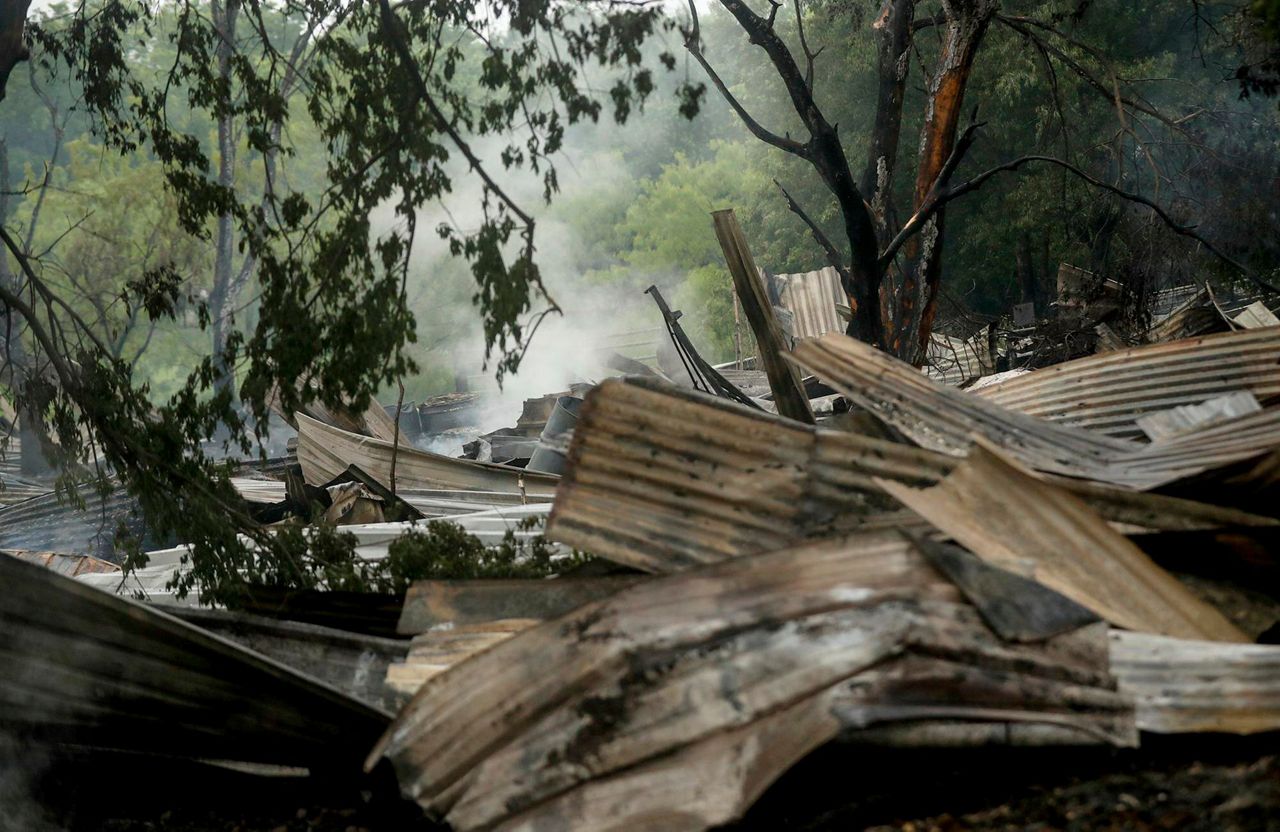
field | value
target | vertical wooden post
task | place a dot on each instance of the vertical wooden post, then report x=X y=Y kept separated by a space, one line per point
x=788 y=392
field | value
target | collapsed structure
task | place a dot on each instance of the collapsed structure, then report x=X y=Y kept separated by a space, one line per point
x=838 y=549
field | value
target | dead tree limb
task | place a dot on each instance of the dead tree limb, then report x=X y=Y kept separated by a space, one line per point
x=1189 y=231
x=833 y=254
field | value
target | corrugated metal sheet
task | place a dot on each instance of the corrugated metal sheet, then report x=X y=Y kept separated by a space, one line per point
x=675 y=703
x=1107 y=393
x=663 y=479
x=354 y=663
x=47 y=524
x=811 y=298
x=1015 y=521
x=1183 y=686
x=325 y=452
x=946 y=419
x=89 y=668
x=955 y=361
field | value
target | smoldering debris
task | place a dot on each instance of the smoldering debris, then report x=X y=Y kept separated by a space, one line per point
x=672 y=593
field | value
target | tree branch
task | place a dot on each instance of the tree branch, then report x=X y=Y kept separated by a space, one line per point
x=809 y=55
x=833 y=255
x=691 y=44
x=1182 y=230
x=937 y=195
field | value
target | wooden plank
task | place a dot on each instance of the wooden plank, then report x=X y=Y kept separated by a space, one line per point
x=788 y=392
x=430 y=604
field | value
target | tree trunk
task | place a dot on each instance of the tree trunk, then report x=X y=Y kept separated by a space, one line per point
x=1025 y=269
x=13 y=19
x=893 y=58
x=913 y=314
x=221 y=303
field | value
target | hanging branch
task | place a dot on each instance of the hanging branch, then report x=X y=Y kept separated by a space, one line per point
x=833 y=255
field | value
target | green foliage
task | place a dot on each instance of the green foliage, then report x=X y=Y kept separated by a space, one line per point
x=324 y=557
x=392 y=97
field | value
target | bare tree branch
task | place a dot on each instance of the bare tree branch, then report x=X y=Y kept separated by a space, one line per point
x=933 y=199
x=692 y=45
x=1176 y=227
x=833 y=255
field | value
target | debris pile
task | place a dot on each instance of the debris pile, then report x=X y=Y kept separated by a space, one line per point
x=750 y=565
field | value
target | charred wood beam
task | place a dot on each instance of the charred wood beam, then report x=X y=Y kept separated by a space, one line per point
x=788 y=392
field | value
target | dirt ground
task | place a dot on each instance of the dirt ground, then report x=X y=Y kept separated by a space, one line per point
x=1199 y=783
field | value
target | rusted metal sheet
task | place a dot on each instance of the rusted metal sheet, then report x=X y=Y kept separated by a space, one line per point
x=947 y=420
x=1183 y=686
x=89 y=668
x=1107 y=393
x=435 y=651
x=69 y=565
x=324 y=452
x=663 y=479
x=1008 y=517
x=676 y=702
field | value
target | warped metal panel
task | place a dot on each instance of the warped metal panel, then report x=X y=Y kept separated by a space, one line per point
x=947 y=420
x=662 y=479
x=86 y=667
x=324 y=452
x=1010 y=518
x=606 y=717
x=1183 y=686
x=1108 y=392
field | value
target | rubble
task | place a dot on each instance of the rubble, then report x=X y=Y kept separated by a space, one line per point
x=816 y=547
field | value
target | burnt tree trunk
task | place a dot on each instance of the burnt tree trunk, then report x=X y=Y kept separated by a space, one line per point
x=893 y=60
x=965 y=23
x=13 y=50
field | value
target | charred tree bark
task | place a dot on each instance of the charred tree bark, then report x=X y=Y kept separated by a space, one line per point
x=13 y=49
x=965 y=24
x=893 y=59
